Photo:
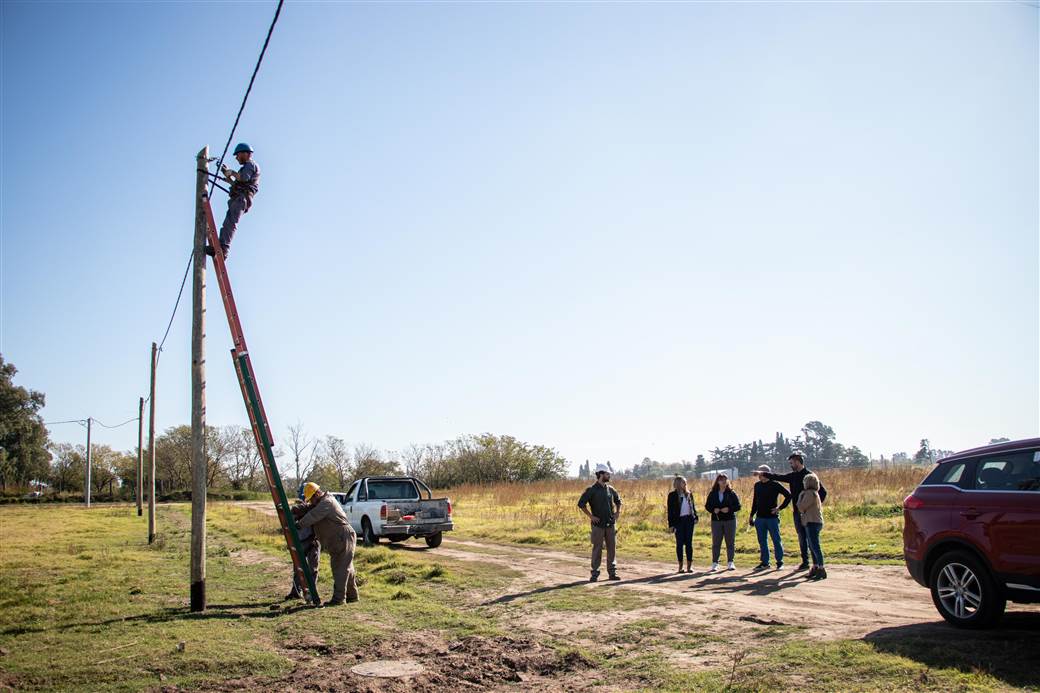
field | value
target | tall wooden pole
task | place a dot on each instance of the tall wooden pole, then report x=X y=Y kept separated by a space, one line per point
x=86 y=494
x=199 y=466
x=140 y=453
x=151 y=447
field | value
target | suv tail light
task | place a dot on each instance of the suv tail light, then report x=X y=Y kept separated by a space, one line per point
x=382 y=512
x=912 y=502
x=449 y=508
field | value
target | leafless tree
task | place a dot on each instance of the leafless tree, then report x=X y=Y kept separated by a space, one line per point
x=301 y=452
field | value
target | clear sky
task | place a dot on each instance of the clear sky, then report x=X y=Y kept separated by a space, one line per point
x=622 y=230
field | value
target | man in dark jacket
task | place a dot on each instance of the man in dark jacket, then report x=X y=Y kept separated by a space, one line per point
x=337 y=538
x=765 y=517
x=605 y=504
x=244 y=184
x=311 y=550
x=794 y=480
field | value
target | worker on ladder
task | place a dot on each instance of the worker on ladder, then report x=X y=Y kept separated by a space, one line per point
x=244 y=184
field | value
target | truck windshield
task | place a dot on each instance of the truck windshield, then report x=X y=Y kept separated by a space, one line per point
x=391 y=490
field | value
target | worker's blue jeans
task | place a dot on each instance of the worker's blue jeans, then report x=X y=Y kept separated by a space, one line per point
x=769 y=527
x=237 y=206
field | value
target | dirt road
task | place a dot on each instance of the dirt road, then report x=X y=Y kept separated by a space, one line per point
x=854 y=600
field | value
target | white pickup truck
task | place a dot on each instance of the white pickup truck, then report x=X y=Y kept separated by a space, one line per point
x=396 y=507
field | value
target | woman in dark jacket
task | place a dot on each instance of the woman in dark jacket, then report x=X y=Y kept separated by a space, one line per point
x=723 y=505
x=682 y=516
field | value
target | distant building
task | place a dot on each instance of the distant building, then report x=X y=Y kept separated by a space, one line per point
x=730 y=472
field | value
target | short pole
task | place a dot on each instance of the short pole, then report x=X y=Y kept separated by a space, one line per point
x=151 y=448
x=140 y=453
x=86 y=494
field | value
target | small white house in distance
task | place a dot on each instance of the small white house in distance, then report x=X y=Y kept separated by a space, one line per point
x=730 y=473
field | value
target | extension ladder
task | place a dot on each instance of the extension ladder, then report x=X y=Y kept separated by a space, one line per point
x=257 y=416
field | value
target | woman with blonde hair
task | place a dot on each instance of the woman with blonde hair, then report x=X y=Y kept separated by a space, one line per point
x=811 y=508
x=682 y=516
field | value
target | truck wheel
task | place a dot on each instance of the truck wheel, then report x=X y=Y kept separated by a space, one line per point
x=367 y=535
x=434 y=540
x=964 y=592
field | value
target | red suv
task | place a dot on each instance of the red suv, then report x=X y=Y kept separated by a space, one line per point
x=972 y=532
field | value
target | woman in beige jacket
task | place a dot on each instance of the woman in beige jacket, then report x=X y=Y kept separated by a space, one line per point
x=811 y=509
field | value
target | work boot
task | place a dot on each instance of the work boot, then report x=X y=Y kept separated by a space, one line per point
x=594 y=576
x=812 y=573
x=804 y=565
x=293 y=594
x=351 y=600
x=335 y=602
x=613 y=576
x=821 y=574
x=209 y=250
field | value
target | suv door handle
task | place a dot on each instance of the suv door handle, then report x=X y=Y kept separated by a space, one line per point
x=970 y=513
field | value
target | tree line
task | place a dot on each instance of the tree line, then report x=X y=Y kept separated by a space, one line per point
x=817 y=442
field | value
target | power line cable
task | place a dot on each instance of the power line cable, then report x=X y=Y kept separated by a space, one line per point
x=55 y=423
x=245 y=98
x=176 y=304
x=105 y=426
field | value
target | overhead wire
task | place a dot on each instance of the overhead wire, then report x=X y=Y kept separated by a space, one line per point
x=245 y=98
x=104 y=425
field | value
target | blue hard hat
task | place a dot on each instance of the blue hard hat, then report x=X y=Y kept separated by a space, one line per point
x=243 y=147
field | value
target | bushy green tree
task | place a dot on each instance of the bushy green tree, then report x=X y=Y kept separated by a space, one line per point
x=24 y=456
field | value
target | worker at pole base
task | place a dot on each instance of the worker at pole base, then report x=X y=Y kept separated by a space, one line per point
x=244 y=184
x=311 y=548
x=337 y=538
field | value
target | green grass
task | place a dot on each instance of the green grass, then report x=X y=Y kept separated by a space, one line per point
x=83 y=592
x=87 y=604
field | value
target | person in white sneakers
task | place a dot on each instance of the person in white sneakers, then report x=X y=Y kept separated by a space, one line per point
x=723 y=505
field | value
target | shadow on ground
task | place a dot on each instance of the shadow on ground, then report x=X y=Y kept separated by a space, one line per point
x=1007 y=652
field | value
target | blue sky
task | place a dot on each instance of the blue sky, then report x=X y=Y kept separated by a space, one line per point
x=616 y=229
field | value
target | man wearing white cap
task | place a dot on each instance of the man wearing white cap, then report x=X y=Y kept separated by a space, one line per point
x=605 y=504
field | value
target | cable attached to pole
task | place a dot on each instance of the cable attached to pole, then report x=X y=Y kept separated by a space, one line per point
x=245 y=98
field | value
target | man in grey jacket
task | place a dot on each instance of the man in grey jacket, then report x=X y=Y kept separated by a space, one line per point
x=337 y=538
x=244 y=184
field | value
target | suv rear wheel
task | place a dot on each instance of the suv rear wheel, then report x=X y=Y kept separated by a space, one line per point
x=964 y=592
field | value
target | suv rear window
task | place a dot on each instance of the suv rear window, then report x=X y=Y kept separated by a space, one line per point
x=391 y=490
x=951 y=473
x=1018 y=471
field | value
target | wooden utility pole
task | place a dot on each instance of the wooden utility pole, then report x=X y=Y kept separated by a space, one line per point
x=140 y=452
x=86 y=494
x=151 y=448
x=199 y=466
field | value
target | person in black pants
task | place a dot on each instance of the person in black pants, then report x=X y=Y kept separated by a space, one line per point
x=723 y=505
x=682 y=516
x=795 y=480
